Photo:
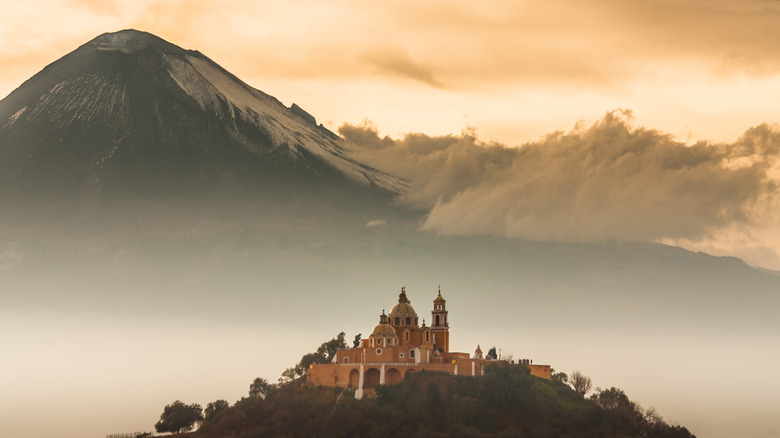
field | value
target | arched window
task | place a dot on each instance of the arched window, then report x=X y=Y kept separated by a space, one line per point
x=437 y=321
x=408 y=321
x=397 y=321
x=427 y=336
x=346 y=360
x=406 y=336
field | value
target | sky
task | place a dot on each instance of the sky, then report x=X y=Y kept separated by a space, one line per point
x=666 y=109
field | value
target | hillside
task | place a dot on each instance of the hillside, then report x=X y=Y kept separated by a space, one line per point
x=506 y=402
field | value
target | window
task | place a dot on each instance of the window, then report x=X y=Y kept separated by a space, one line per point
x=427 y=336
x=389 y=342
x=406 y=336
x=437 y=321
x=408 y=321
x=346 y=360
x=411 y=354
x=398 y=321
x=401 y=355
x=378 y=351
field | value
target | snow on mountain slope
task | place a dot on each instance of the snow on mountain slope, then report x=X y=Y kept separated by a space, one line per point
x=134 y=92
x=208 y=84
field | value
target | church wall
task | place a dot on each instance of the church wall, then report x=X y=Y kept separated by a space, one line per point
x=346 y=375
x=542 y=371
x=329 y=375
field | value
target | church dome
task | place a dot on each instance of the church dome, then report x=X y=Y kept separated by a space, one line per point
x=383 y=334
x=383 y=330
x=404 y=307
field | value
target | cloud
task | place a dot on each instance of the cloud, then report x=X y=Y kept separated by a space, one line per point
x=397 y=61
x=459 y=44
x=376 y=223
x=565 y=43
x=104 y=7
x=610 y=180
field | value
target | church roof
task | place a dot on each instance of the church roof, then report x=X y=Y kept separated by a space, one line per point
x=383 y=330
x=404 y=307
x=439 y=298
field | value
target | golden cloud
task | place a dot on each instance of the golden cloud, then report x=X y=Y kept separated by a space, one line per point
x=606 y=181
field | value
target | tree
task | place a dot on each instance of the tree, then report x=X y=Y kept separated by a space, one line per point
x=178 y=417
x=260 y=388
x=324 y=354
x=308 y=359
x=288 y=375
x=580 y=382
x=612 y=398
x=558 y=377
x=215 y=408
x=491 y=354
x=356 y=342
x=328 y=349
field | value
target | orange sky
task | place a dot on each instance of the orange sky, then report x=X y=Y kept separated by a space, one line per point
x=513 y=70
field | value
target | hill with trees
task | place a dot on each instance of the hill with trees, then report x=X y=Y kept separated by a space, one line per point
x=506 y=401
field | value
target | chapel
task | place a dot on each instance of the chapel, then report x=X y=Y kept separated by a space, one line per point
x=399 y=346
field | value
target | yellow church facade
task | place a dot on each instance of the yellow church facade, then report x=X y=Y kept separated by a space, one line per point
x=399 y=346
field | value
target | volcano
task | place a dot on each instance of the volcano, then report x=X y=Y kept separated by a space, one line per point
x=130 y=113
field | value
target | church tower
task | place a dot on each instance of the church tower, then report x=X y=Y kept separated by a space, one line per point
x=440 y=328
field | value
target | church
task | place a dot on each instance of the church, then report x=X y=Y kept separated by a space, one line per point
x=399 y=346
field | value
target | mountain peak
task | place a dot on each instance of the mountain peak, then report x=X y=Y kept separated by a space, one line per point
x=131 y=40
x=129 y=109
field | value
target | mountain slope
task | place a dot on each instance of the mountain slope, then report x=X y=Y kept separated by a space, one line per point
x=129 y=111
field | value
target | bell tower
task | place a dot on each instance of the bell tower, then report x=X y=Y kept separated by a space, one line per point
x=440 y=328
